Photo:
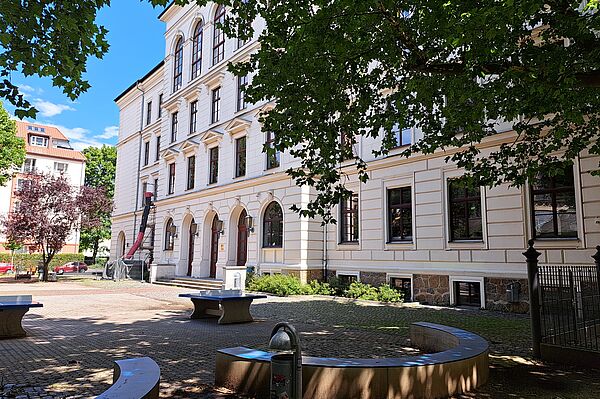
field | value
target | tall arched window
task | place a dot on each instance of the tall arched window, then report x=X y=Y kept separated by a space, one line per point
x=273 y=226
x=169 y=235
x=219 y=36
x=178 y=65
x=197 y=51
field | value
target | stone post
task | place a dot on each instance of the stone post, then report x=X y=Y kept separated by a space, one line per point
x=534 y=297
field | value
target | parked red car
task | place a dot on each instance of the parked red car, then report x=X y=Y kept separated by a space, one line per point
x=70 y=267
x=6 y=268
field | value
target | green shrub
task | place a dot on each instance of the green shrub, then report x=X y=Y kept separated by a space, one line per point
x=30 y=261
x=338 y=285
x=362 y=291
x=278 y=284
x=316 y=287
x=389 y=294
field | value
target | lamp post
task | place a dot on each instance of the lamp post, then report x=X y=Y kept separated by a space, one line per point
x=286 y=368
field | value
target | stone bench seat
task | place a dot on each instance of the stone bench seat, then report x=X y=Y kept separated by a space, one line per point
x=137 y=378
x=12 y=310
x=459 y=364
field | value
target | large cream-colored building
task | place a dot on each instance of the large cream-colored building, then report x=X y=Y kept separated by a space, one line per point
x=48 y=151
x=187 y=135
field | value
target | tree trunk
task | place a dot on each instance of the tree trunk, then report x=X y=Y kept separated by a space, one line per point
x=95 y=250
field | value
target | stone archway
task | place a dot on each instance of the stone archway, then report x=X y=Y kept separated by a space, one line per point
x=121 y=242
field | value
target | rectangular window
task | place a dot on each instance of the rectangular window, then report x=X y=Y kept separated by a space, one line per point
x=240 y=157
x=144 y=189
x=216 y=105
x=160 y=102
x=60 y=167
x=403 y=285
x=554 y=212
x=346 y=147
x=149 y=113
x=146 y=152
x=400 y=214
x=464 y=205
x=213 y=166
x=467 y=293
x=218 y=37
x=38 y=141
x=345 y=280
x=402 y=137
x=171 y=178
x=273 y=156
x=20 y=184
x=241 y=92
x=155 y=189
x=193 y=116
x=349 y=219
x=174 y=124
x=191 y=172
x=157 y=155
x=29 y=165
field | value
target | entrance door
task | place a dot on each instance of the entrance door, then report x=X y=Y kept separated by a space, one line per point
x=192 y=235
x=214 y=247
x=242 y=240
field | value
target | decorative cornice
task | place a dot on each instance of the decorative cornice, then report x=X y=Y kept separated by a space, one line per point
x=170 y=153
x=189 y=145
x=237 y=125
x=211 y=136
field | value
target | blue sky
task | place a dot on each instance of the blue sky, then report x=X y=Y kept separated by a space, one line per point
x=136 y=40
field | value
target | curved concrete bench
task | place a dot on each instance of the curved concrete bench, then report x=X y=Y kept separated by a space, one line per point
x=459 y=365
x=136 y=378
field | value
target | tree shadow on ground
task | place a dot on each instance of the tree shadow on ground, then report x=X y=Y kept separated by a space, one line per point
x=73 y=357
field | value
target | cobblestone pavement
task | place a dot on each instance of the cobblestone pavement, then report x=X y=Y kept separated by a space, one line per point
x=84 y=326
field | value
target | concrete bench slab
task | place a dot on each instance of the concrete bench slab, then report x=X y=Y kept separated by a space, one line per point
x=12 y=310
x=459 y=365
x=137 y=378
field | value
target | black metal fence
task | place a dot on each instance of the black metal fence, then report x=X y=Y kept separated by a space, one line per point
x=565 y=304
x=570 y=306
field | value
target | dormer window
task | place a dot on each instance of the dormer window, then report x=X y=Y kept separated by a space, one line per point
x=38 y=141
x=36 y=129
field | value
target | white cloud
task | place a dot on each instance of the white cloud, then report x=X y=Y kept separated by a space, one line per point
x=49 y=109
x=109 y=132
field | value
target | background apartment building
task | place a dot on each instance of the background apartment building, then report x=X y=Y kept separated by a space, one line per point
x=48 y=151
x=187 y=134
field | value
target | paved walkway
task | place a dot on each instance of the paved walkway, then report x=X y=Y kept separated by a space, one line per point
x=81 y=329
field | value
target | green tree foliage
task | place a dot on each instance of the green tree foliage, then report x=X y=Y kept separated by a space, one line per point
x=359 y=68
x=450 y=68
x=12 y=148
x=49 y=39
x=100 y=172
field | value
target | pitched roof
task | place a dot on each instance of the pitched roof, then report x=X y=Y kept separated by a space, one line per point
x=26 y=128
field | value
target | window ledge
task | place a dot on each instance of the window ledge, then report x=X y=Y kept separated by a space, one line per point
x=399 y=245
x=558 y=243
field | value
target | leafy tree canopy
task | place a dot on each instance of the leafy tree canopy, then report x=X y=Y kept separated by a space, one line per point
x=359 y=68
x=49 y=39
x=12 y=148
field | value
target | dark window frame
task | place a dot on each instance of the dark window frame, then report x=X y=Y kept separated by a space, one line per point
x=553 y=191
x=178 y=65
x=148 y=113
x=213 y=165
x=273 y=226
x=350 y=220
x=160 y=102
x=215 y=105
x=169 y=243
x=218 y=36
x=174 y=126
x=274 y=158
x=405 y=238
x=405 y=286
x=146 y=152
x=473 y=297
x=191 y=172
x=171 y=185
x=193 y=117
x=242 y=83
x=469 y=197
x=398 y=135
x=157 y=152
x=197 y=50
x=240 y=156
x=155 y=189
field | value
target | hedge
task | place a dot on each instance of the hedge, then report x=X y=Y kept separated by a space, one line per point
x=23 y=261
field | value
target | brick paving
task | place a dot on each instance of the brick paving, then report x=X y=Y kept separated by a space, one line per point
x=81 y=329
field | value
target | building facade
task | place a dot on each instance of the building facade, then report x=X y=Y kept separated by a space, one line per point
x=48 y=151
x=187 y=135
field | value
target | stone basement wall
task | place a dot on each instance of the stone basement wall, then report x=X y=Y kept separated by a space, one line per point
x=431 y=289
x=375 y=279
x=496 y=299
x=306 y=276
